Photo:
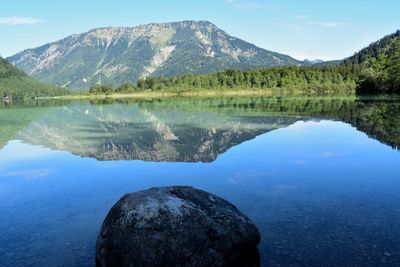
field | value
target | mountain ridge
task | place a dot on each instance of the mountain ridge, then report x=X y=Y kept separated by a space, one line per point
x=124 y=54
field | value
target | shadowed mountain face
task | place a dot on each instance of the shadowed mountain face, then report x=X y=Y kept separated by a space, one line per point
x=15 y=83
x=191 y=130
x=124 y=54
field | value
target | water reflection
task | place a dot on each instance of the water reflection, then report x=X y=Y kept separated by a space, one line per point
x=115 y=132
x=186 y=130
x=320 y=192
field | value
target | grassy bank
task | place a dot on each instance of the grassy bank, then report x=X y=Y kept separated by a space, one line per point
x=202 y=93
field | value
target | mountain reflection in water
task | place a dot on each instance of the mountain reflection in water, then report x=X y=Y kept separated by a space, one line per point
x=192 y=130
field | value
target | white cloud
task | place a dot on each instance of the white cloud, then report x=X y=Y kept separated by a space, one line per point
x=246 y=5
x=29 y=174
x=19 y=21
x=302 y=17
x=327 y=24
x=290 y=26
x=327 y=154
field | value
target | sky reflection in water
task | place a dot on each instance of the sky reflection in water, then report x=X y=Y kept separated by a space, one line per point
x=320 y=191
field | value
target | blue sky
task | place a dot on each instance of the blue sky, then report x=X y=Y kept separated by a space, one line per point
x=301 y=28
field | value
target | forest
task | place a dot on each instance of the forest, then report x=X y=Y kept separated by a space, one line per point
x=381 y=74
x=16 y=84
x=7 y=70
x=307 y=78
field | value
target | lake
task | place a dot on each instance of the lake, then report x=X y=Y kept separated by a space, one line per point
x=319 y=176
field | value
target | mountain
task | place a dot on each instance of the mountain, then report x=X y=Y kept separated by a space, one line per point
x=329 y=63
x=380 y=63
x=380 y=47
x=321 y=63
x=312 y=61
x=118 y=55
x=14 y=82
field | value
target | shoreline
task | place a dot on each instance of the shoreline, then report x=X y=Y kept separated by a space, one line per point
x=202 y=93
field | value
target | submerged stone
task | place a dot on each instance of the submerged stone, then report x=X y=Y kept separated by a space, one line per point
x=176 y=226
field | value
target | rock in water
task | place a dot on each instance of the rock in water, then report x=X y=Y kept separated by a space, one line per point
x=176 y=226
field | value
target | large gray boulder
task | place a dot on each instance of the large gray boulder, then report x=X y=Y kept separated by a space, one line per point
x=176 y=226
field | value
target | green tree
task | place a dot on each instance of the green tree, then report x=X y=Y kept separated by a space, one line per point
x=393 y=68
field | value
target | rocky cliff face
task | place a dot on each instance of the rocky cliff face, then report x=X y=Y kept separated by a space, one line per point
x=120 y=54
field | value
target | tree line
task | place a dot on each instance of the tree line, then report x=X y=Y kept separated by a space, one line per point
x=340 y=77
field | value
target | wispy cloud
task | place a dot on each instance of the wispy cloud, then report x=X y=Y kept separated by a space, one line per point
x=302 y=17
x=29 y=174
x=327 y=24
x=19 y=21
x=304 y=21
x=246 y=5
x=327 y=154
x=290 y=26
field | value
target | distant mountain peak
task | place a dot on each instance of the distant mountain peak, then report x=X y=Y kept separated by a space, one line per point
x=124 y=54
x=313 y=61
x=317 y=61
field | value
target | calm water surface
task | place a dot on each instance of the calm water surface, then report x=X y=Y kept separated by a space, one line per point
x=319 y=176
